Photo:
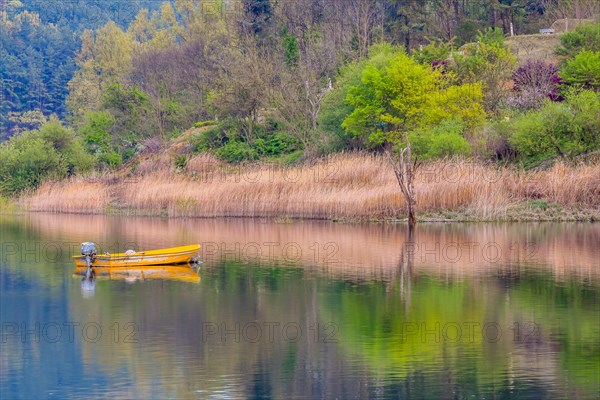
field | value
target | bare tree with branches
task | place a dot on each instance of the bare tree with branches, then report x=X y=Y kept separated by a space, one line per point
x=405 y=169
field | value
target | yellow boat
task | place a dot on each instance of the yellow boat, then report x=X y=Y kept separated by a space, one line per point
x=170 y=256
x=130 y=274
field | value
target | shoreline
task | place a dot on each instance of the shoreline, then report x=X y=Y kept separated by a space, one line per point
x=331 y=189
x=527 y=216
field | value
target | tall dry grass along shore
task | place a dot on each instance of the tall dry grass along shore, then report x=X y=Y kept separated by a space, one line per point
x=351 y=186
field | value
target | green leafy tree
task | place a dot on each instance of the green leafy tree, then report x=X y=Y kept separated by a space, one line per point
x=398 y=96
x=25 y=161
x=130 y=108
x=434 y=51
x=444 y=140
x=335 y=109
x=583 y=70
x=68 y=144
x=488 y=62
x=559 y=129
x=584 y=37
x=29 y=158
x=290 y=48
x=97 y=132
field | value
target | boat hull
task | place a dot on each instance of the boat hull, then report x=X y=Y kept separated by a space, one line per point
x=170 y=256
x=162 y=272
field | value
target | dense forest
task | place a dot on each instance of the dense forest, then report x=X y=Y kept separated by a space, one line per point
x=39 y=42
x=91 y=84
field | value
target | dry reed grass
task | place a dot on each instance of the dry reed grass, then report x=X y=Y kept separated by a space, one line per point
x=355 y=186
x=80 y=195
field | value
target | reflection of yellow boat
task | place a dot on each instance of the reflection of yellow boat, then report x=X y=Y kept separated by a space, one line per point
x=174 y=255
x=170 y=272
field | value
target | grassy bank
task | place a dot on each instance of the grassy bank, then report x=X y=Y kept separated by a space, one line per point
x=344 y=186
x=8 y=206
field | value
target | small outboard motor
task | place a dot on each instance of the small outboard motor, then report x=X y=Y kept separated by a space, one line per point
x=88 y=249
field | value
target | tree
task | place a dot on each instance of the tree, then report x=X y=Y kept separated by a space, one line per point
x=488 y=62
x=534 y=82
x=29 y=158
x=68 y=145
x=105 y=59
x=257 y=15
x=362 y=15
x=584 y=37
x=245 y=86
x=35 y=64
x=565 y=129
x=398 y=96
x=97 y=132
x=130 y=108
x=303 y=83
x=25 y=161
x=335 y=108
x=583 y=70
x=26 y=121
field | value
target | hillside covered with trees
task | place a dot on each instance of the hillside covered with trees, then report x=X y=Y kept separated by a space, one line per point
x=94 y=85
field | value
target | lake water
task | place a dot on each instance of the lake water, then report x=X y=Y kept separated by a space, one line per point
x=302 y=309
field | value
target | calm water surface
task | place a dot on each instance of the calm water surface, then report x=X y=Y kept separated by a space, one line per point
x=302 y=309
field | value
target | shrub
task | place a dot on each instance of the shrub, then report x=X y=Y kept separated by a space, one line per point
x=236 y=152
x=25 y=161
x=67 y=144
x=448 y=144
x=202 y=124
x=293 y=158
x=180 y=160
x=527 y=99
x=585 y=126
x=207 y=140
x=535 y=81
x=276 y=144
x=565 y=129
x=30 y=157
x=536 y=74
x=529 y=135
x=583 y=70
x=493 y=141
x=445 y=140
x=584 y=37
x=152 y=144
x=129 y=152
x=97 y=131
x=491 y=36
x=433 y=53
x=77 y=159
x=227 y=142
x=111 y=158
x=215 y=136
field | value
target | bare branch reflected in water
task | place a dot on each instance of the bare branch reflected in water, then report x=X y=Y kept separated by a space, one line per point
x=405 y=267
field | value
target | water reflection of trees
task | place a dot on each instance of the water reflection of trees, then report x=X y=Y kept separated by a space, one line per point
x=352 y=251
x=380 y=283
x=372 y=347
